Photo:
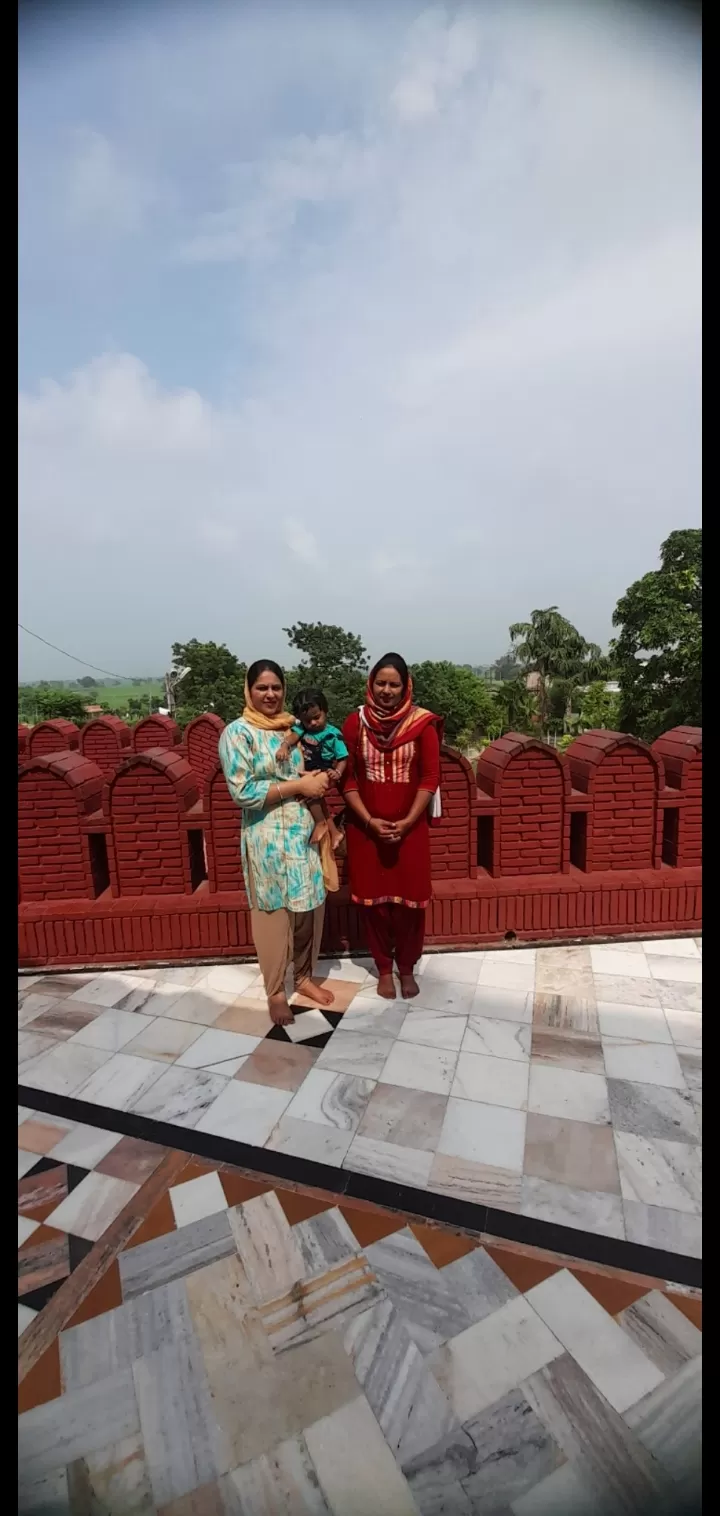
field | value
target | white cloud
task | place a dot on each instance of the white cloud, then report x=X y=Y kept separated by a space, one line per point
x=417 y=323
x=102 y=193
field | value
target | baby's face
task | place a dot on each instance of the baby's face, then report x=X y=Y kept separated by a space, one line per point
x=313 y=719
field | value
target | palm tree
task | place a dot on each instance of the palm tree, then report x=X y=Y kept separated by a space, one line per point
x=551 y=647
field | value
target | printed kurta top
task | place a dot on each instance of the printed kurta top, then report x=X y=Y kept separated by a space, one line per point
x=285 y=871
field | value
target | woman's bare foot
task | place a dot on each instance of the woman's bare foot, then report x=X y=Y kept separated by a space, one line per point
x=386 y=987
x=280 y=1011
x=313 y=991
x=409 y=986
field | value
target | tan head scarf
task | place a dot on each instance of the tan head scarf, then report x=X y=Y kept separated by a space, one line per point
x=280 y=723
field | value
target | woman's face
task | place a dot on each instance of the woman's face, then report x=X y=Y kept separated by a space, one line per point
x=387 y=689
x=267 y=693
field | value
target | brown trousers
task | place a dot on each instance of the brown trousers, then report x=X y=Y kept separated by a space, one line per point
x=285 y=937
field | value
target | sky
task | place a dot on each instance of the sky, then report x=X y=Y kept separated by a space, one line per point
x=371 y=314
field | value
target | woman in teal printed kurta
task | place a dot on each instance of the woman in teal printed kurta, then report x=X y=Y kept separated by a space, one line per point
x=283 y=873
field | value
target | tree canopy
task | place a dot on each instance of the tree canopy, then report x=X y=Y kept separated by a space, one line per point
x=333 y=660
x=456 y=694
x=658 y=652
x=216 y=680
x=551 y=647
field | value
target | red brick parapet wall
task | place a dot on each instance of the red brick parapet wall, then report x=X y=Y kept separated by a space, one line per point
x=128 y=844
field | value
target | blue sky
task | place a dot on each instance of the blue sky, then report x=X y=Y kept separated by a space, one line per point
x=372 y=314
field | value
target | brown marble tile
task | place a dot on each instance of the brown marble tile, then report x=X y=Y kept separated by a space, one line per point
x=159 y=1221
x=38 y=1194
x=214 y=1499
x=689 y=1305
x=248 y=1016
x=104 y=1296
x=343 y=992
x=238 y=1188
x=43 y=1234
x=65 y=1019
x=282 y=1065
x=131 y=1159
x=577 y=1153
x=568 y=1050
x=522 y=1271
x=300 y=1207
x=441 y=1246
x=411 y=1118
x=369 y=1225
x=613 y=1294
x=42 y=1382
x=41 y=1265
x=572 y=1014
x=39 y=1136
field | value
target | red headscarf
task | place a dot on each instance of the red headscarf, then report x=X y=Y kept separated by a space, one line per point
x=388 y=730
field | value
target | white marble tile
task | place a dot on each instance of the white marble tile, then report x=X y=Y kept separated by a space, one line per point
x=673 y=1231
x=616 y=1365
x=228 y=1067
x=420 y=1068
x=497 y=1038
x=308 y=1139
x=508 y=970
x=496 y=1081
x=25 y=1315
x=676 y=996
x=185 y=975
x=26 y=980
x=31 y=1046
x=568 y=1093
x=84 y=1146
x=32 y=1006
x=330 y=1099
x=459 y=968
x=644 y=1062
x=163 y=1039
x=310 y=1023
x=586 y=1210
x=90 y=1209
x=23 y=1112
x=197 y=1198
x=503 y=1005
x=368 y=1013
x=388 y=1160
x=622 y=989
x=681 y=969
x=230 y=978
x=452 y=997
x=636 y=1023
x=245 y=1112
x=216 y=1047
x=433 y=1029
x=121 y=1081
x=181 y=1096
x=685 y=1029
x=486 y=1134
x=662 y=1173
x=26 y=1227
x=561 y=1493
x=356 y=1469
x=64 y=1068
x=614 y=960
x=26 y=1161
x=672 y=947
x=199 y=1005
x=111 y=1030
x=356 y=970
x=359 y=1053
x=483 y=1363
x=110 y=988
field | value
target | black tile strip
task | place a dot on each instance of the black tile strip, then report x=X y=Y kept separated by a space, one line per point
x=508 y=1226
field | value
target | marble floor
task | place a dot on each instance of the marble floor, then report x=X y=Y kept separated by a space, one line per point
x=558 y=1084
x=228 y=1346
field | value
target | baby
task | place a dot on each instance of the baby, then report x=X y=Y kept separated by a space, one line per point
x=322 y=748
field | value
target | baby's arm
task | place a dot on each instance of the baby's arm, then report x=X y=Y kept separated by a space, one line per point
x=290 y=741
x=338 y=769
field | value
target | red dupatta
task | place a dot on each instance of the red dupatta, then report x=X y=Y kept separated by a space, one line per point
x=405 y=724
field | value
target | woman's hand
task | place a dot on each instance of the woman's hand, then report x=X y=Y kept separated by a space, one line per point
x=312 y=786
x=383 y=831
x=401 y=828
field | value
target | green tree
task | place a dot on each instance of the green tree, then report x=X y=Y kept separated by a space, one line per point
x=456 y=694
x=599 y=709
x=87 y=682
x=216 y=680
x=551 y=647
x=333 y=660
x=658 y=652
x=506 y=667
x=43 y=702
x=515 y=708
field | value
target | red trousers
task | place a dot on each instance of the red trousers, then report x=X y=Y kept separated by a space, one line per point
x=394 y=932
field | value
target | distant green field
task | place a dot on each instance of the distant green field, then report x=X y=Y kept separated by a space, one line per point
x=117 y=695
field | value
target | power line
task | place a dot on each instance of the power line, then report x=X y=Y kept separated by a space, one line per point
x=126 y=678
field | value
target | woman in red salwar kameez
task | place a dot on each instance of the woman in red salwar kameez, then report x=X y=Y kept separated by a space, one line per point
x=392 y=775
